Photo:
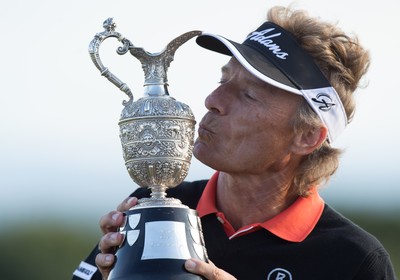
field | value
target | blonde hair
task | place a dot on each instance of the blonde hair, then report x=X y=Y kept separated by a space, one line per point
x=343 y=61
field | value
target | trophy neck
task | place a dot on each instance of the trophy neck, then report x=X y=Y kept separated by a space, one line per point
x=154 y=90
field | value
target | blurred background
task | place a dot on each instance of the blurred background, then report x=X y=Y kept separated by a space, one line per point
x=61 y=165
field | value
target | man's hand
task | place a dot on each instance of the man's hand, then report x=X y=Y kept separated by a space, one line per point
x=111 y=239
x=207 y=270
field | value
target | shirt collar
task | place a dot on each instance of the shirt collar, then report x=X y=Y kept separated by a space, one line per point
x=293 y=224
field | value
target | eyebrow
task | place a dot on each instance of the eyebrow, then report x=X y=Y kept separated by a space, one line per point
x=225 y=68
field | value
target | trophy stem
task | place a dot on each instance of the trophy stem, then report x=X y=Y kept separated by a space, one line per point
x=158 y=198
x=158 y=192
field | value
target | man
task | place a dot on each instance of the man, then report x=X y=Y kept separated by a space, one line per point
x=284 y=97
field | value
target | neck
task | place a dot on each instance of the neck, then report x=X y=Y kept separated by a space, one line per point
x=252 y=199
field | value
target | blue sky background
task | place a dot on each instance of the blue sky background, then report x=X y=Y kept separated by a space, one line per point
x=60 y=154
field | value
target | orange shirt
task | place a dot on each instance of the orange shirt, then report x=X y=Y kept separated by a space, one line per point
x=293 y=224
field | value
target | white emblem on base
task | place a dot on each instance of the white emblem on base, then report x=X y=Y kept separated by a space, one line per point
x=165 y=240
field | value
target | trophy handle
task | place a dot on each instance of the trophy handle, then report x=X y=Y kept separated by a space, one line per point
x=94 y=46
x=155 y=65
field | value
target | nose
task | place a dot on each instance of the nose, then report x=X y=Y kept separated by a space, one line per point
x=217 y=101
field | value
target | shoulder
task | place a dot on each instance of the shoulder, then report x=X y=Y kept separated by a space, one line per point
x=355 y=244
x=340 y=228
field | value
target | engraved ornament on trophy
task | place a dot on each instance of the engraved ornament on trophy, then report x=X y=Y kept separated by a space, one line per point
x=157 y=134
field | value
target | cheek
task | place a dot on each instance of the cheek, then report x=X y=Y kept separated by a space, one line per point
x=269 y=132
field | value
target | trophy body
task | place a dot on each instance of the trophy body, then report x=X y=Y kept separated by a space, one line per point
x=157 y=134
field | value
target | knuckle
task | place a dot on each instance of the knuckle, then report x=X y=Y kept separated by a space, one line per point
x=102 y=220
x=109 y=222
x=100 y=261
x=108 y=242
x=126 y=204
x=104 y=263
x=122 y=206
x=102 y=246
x=216 y=274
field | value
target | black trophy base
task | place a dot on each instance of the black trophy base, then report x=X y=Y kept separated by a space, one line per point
x=158 y=241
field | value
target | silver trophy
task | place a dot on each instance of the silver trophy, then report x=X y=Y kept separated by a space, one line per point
x=157 y=134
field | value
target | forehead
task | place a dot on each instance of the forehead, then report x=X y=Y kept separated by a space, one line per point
x=234 y=67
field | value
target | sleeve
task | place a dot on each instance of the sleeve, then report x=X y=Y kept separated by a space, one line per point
x=87 y=269
x=377 y=266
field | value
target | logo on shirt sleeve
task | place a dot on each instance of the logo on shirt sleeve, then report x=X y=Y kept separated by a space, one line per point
x=85 y=271
x=279 y=274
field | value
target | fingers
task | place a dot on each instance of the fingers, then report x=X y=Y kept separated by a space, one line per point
x=113 y=220
x=128 y=203
x=208 y=270
x=105 y=262
x=111 y=239
x=107 y=245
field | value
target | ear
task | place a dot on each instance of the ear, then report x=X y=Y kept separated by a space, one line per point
x=309 y=140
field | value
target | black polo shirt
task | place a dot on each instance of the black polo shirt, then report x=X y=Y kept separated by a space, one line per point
x=335 y=248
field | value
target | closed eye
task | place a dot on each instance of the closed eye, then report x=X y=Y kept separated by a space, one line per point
x=250 y=96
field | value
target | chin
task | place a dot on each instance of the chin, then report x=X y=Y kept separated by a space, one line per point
x=197 y=153
x=208 y=161
x=201 y=156
x=205 y=154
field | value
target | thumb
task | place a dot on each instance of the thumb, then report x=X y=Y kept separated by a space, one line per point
x=207 y=270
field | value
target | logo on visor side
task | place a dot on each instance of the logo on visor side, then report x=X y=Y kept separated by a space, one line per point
x=259 y=36
x=324 y=100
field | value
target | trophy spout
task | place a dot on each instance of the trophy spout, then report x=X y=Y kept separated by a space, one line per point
x=155 y=65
